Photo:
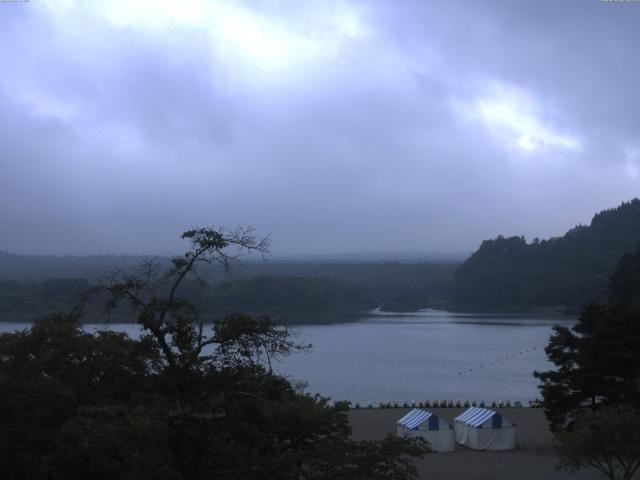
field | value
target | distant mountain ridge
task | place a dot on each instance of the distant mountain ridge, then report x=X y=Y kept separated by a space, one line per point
x=565 y=271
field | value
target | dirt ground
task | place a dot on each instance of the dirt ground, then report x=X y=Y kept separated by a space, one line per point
x=535 y=458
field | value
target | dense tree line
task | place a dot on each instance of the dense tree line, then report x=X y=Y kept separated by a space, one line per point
x=287 y=295
x=182 y=402
x=26 y=301
x=295 y=299
x=298 y=292
x=392 y=285
x=567 y=271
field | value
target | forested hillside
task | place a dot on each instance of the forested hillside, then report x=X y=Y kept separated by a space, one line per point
x=293 y=299
x=299 y=292
x=565 y=271
x=287 y=295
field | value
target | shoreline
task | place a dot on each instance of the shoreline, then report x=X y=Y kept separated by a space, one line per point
x=534 y=459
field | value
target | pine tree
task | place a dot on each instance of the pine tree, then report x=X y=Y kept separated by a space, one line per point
x=597 y=360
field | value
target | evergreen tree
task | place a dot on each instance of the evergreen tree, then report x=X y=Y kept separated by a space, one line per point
x=598 y=360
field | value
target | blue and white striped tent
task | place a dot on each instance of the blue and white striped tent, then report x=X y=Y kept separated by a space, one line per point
x=416 y=417
x=484 y=429
x=427 y=425
x=476 y=416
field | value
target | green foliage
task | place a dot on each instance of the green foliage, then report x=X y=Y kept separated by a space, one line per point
x=182 y=402
x=253 y=343
x=48 y=373
x=606 y=439
x=624 y=284
x=300 y=291
x=598 y=360
x=29 y=300
x=566 y=271
x=297 y=299
x=287 y=295
x=387 y=459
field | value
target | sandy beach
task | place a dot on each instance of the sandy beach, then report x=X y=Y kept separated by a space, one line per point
x=535 y=458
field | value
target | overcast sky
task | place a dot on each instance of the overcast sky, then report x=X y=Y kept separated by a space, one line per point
x=349 y=126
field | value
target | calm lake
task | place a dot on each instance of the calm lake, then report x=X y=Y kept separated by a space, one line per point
x=431 y=354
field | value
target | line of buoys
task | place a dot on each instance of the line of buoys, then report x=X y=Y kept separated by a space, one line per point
x=508 y=357
x=447 y=404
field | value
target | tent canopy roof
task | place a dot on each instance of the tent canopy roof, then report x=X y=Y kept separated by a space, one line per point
x=476 y=416
x=415 y=418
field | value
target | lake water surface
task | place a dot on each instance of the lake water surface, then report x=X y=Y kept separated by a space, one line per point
x=428 y=355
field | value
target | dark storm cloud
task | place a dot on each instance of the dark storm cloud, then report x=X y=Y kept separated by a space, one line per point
x=336 y=127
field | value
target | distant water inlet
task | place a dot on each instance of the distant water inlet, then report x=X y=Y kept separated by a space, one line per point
x=430 y=355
